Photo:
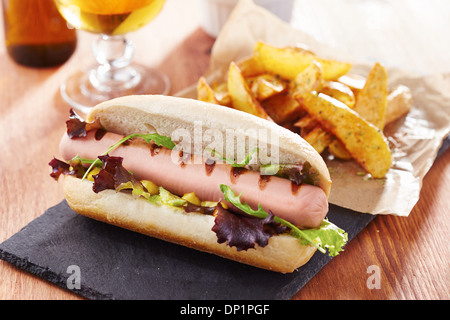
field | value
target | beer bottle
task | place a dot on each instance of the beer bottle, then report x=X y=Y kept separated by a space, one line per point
x=36 y=34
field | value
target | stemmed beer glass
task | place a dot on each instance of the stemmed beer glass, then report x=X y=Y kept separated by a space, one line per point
x=114 y=75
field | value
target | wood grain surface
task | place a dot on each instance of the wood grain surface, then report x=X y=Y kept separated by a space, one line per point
x=411 y=253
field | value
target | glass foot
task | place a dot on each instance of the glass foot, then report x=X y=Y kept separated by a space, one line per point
x=84 y=90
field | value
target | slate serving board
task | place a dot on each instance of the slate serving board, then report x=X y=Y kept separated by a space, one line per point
x=119 y=264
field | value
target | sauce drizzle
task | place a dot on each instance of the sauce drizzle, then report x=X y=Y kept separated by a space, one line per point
x=263 y=180
x=184 y=157
x=99 y=133
x=235 y=172
x=295 y=187
x=154 y=149
x=209 y=166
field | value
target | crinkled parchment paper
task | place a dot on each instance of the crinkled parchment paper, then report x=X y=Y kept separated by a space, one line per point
x=415 y=139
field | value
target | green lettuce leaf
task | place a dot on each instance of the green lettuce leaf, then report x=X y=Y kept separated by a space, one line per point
x=137 y=189
x=170 y=199
x=327 y=236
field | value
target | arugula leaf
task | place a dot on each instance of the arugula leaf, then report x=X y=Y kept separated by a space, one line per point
x=232 y=162
x=78 y=159
x=327 y=236
x=231 y=197
x=156 y=138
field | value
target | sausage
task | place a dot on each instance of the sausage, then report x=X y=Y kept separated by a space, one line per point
x=305 y=205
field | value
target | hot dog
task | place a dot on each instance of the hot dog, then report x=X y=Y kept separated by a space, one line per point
x=278 y=194
x=287 y=205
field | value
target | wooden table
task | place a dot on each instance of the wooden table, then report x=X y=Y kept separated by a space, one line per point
x=411 y=253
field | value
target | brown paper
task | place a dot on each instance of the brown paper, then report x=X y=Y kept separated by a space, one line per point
x=416 y=138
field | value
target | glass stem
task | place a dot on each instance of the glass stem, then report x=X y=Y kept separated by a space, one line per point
x=114 y=54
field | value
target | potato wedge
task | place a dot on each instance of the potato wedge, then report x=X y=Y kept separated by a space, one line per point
x=365 y=142
x=290 y=61
x=286 y=62
x=240 y=94
x=354 y=81
x=310 y=79
x=399 y=103
x=333 y=69
x=306 y=124
x=266 y=85
x=319 y=138
x=251 y=67
x=222 y=95
x=372 y=99
x=340 y=92
x=337 y=149
x=205 y=92
x=282 y=108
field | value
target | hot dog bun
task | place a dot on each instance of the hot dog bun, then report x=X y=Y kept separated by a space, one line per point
x=283 y=254
x=163 y=114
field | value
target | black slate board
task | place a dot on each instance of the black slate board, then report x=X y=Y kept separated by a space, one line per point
x=119 y=264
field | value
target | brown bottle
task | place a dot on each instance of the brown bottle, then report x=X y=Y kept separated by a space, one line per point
x=36 y=34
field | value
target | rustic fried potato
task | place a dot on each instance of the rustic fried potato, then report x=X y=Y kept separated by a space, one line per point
x=399 y=103
x=314 y=97
x=290 y=61
x=372 y=99
x=282 y=108
x=337 y=149
x=306 y=124
x=285 y=62
x=364 y=141
x=266 y=85
x=333 y=69
x=340 y=92
x=318 y=138
x=241 y=97
x=310 y=79
x=221 y=93
x=251 y=67
x=354 y=81
x=205 y=92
